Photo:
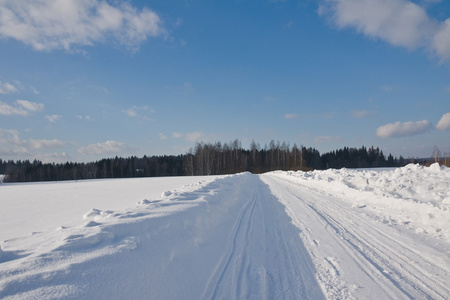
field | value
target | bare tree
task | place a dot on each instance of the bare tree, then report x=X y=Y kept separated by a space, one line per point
x=436 y=154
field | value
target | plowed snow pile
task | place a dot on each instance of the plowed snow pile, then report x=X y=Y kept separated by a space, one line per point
x=336 y=234
x=415 y=196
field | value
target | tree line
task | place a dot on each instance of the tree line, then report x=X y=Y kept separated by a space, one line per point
x=203 y=159
x=118 y=167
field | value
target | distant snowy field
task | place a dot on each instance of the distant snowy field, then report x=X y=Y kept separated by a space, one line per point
x=335 y=234
x=35 y=207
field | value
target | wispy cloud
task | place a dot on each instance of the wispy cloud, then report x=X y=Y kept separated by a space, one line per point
x=11 y=143
x=177 y=135
x=21 y=108
x=138 y=112
x=399 y=129
x=162 y=136
x=399 y=22
x=35 y=91
x=361 y=114
x=444 y=122
x=30 y=106
x=194 y=136
x=39 y=144
x=291 y=116
x=47 y=25
x=53 y=118
x=9 y=110
x=10 y=137
x=80 y=117
x=108 y=147
x=190 y=136
x=7 y=88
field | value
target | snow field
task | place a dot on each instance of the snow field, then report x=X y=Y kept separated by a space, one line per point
x=335 y=234
x=43 y=206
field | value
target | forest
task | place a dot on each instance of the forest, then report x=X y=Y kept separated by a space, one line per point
x=203 y=159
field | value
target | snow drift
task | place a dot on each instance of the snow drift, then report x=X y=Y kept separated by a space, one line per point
x=415 y=196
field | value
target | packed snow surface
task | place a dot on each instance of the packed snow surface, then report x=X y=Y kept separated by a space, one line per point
x=335 y=234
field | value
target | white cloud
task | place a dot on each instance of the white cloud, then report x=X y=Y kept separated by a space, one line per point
x=39 y=144
x=131 y=112
x=12 y=144
x=9 y=110
x=291 y=116
x=162 y=136
x=35 y=91
x=441 y=41
x=11 y=137
x=444 y=122
x=398 y=22
x=30 y=106
x=21 y=108
x=53 y=118
x=53 y=157
x=46 y=25
x=138 y=112
x=403 y=129
x=327 y=139
x=6 y=88
x=108 y=147
x=84 y=117
x=177 y=135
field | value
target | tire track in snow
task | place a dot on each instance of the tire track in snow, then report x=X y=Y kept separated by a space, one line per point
x=264 y=257
x=230 y=260
x=388 y=265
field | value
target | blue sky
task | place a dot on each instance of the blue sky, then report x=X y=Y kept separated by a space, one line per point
x=82 y=80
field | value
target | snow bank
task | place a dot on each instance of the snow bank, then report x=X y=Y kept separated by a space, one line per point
x=65 y=262
x=414 y=196
x=42 y=206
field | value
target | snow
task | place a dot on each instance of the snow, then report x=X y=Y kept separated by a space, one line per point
x=36 y=207
x=335 y=234
x=415 y=196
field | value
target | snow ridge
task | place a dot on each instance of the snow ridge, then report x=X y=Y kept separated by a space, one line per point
x=414 y=196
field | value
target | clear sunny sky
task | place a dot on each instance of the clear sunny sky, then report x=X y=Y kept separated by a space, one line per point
x=82 y=80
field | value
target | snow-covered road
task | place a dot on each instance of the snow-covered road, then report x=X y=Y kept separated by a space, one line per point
x=280 y=235
x=263 y=256
x=356 y=255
